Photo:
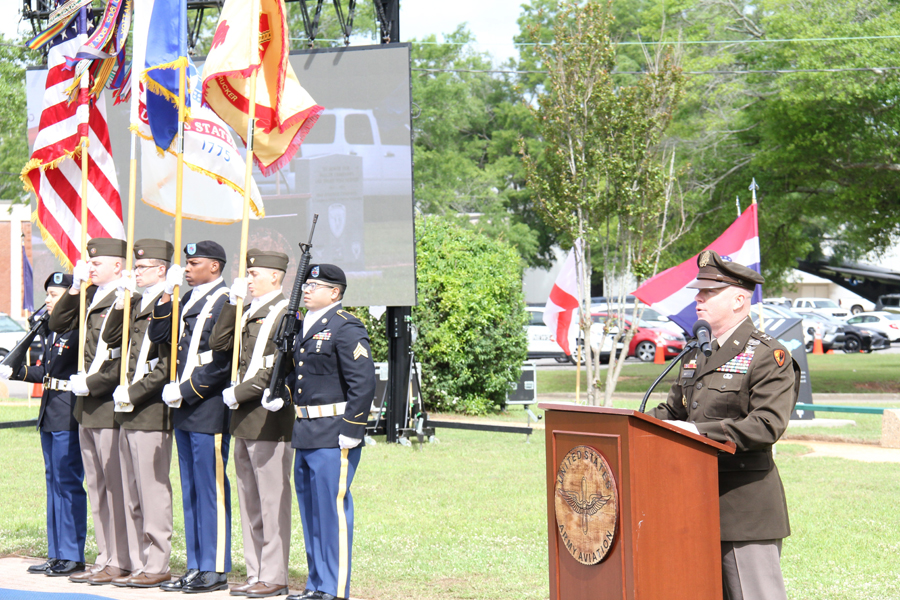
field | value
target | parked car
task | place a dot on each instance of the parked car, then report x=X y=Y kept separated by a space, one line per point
x=646 y=337
x=888 y=303
x=773 y=312
x=782 y=301
x=860 y=339
x=822 y=306
x=542 y=342
x=832 y=332
x=885 y=322
x=10 y=335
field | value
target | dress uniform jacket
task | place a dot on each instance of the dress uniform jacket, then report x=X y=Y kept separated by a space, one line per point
x=150 y=412
x=58 y=361
x=95 y=410
x=333 y=364
x=251 y=420
x=202 y=409
x=744 y=393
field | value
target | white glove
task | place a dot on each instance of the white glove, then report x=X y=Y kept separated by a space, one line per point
x=238 y=290
x=174 y=276
x=78 y=383
x=229 y=399
x=275 y=405
x=5 y=372
x=348 y=443
x=171 y=395
x=122 y=400
x=125 y=284
x=81 y=272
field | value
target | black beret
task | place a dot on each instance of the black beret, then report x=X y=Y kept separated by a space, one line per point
x=106 y=247
x=328 y=274
x=716 y=272
x=267 y=259
x=205 y=249
x=157 y=249
x=63 y=280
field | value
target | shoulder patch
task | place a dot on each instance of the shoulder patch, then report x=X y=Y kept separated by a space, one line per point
x=779 y=357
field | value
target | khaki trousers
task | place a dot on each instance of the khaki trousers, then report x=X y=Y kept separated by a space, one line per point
x=146 y=457
x=264 y=490
x=103 y=476
x=752 y=571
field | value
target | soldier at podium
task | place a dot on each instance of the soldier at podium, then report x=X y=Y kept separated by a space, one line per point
x=744 y=392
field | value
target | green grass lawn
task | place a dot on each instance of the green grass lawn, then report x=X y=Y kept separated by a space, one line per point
x=829 y=373
x=465 y=518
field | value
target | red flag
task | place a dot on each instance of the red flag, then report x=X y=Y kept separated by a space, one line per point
x=285 y=112
x=54 y=171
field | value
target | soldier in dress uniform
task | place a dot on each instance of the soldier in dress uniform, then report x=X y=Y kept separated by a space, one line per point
x=744 y=393
x=66 y=498
x=145 y=422
x=200 y=417
x=98 y=432
x=261 y=430
x=333 y=393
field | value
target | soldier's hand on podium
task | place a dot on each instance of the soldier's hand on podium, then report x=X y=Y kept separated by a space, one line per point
x=174 y=277
x=78 y=383
x=171 y=395
x=273 y=405
x=229 y=399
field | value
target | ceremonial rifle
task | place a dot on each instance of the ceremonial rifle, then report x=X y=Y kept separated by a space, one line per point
x=16 y=357
x=290 y=322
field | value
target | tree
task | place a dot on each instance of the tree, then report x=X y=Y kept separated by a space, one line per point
x=13 y=130
x=602 y=178
x=470 y=317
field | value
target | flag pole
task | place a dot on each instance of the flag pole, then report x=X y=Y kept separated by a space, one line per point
x=179 y=184
x=82 y=294
x=248 y=180
x=753 y=188
x=129 y=261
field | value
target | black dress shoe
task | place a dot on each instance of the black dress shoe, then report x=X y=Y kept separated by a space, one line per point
x=43 y=567
x=206 y=581
x=306 y=595
x=177 y=585
x=64 y=568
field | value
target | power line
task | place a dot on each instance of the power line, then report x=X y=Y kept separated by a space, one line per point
x=875 y=70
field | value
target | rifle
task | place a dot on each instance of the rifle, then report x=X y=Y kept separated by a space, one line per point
x=16 y=357
x=290 y=322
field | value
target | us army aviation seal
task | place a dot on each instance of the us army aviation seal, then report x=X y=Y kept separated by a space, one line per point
x=587 y=505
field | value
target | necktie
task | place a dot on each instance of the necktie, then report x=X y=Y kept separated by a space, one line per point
x=715 y=345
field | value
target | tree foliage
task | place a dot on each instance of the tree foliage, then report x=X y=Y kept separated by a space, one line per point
x=470 y=318
x=13 y=128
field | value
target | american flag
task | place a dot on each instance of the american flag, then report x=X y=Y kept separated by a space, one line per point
x=54 y=171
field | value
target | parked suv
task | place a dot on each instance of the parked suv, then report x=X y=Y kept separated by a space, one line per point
x=821 y=306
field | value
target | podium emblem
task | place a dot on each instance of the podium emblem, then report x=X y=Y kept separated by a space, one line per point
x=587 y=505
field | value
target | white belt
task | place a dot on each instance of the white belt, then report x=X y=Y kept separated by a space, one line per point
x=148 y=366
x=204 y=358
x=325 y=410
x=59 y=385
x=113 y=353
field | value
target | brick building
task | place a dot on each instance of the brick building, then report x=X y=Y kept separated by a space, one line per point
x=15 y=230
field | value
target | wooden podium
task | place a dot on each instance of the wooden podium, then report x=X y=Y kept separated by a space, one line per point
x=665 y=544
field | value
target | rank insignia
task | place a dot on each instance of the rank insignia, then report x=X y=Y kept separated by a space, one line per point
x=360 y=351
x=779 y=357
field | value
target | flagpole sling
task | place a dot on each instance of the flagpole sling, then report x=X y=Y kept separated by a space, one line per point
x=179 y=184
x=129 y=261
x=82 y=294
x=248 y=181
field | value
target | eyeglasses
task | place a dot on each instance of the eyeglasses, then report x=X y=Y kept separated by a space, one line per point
x=143 y=268
x=311 y=287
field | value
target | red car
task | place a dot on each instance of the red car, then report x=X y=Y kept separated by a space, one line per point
x=643 y=344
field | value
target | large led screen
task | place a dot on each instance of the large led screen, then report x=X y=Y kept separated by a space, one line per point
x=354 y=169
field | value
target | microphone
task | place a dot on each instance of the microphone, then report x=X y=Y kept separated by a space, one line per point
x=702 y=331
